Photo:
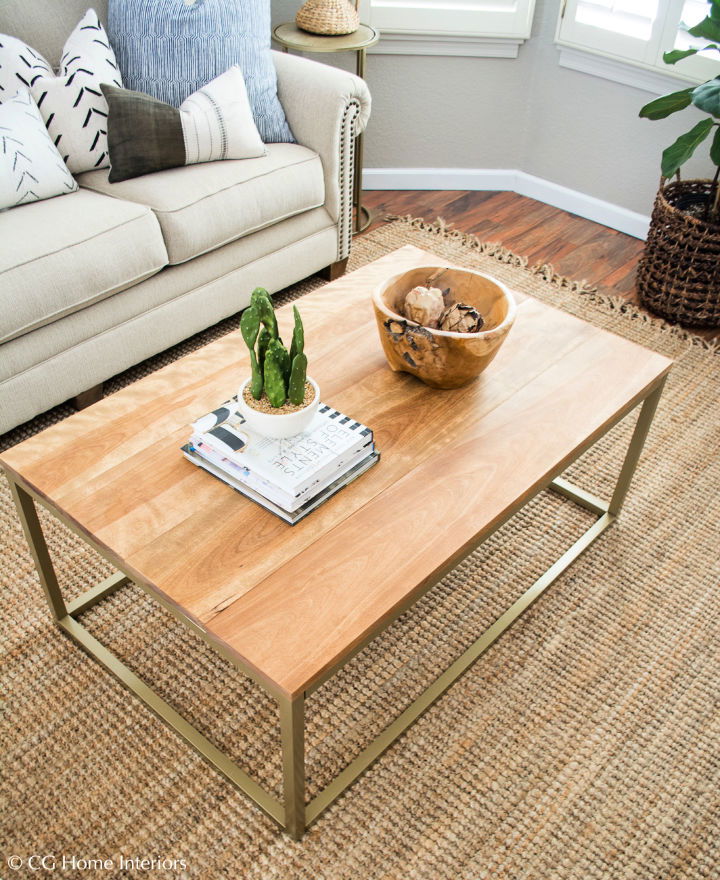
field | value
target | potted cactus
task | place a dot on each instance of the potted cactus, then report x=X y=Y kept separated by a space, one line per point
x=279 y=399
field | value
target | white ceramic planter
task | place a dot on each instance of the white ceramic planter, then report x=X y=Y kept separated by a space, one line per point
x=279 y=425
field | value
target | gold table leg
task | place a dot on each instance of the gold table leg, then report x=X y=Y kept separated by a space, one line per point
x=363 y=218
x=647 y=413
x=292 y=729
x=292 y=813
x=27 y=514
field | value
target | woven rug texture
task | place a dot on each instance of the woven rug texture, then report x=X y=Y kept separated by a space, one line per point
x=585 y=744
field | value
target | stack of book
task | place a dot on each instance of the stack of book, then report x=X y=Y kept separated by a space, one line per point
x=288 y=477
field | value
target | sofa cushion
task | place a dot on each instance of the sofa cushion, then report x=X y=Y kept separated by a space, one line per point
x=202 y=207
x=61 y=255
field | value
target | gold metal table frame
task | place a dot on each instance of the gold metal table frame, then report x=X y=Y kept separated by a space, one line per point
x=293 y=813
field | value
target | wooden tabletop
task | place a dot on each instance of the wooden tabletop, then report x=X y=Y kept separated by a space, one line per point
x=291 y=601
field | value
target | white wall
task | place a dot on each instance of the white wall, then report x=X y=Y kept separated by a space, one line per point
x=527 y=113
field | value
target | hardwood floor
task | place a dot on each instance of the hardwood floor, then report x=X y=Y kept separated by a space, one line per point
x=576 y=247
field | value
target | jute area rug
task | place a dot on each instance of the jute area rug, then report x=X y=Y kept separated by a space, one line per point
x=583 y=745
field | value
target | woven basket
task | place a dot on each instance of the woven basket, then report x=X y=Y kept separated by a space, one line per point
x=331 y=17
x=679 y=273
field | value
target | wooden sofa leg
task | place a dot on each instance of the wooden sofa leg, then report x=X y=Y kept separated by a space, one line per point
x=334 y=270
x=87 y=398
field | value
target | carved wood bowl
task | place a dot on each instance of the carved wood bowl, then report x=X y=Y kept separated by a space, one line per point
x=443 y=358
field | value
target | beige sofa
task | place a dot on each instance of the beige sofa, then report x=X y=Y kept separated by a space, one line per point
x=94 y=282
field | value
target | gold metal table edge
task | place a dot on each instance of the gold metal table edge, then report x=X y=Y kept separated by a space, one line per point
x=293 y=813
x=324 y=42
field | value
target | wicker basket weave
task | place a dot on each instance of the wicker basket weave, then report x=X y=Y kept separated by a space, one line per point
x=679 y=273
x=331 y=17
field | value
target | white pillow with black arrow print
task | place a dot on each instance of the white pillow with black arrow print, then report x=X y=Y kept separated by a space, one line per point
x=31 y=168
x=71 y=103
x=20 y=66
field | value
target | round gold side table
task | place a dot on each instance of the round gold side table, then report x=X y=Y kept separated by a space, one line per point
x=289 y=36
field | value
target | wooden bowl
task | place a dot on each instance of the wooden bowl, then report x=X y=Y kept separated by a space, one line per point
x=443 y=358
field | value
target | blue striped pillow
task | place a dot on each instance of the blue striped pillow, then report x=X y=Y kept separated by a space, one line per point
x=171 y=48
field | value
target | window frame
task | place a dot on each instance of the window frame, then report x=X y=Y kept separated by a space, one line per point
x=424 y=27
x=627 y=59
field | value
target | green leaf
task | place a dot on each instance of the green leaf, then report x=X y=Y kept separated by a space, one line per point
x=707 y=97
x=678 y=153
x=667 y=104
x=678 y=55
x=715 y=10
x=715 y=148
x=708 y=28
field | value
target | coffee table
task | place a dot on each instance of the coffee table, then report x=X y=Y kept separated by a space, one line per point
x=290 y=605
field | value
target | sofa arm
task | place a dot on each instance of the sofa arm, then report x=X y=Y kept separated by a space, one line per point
x=326 y=109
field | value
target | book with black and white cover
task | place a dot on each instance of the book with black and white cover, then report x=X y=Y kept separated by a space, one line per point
x=269 y=490
x=309 y=504
x=296 y=466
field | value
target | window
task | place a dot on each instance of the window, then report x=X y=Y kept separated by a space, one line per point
x=637 y=32
x=453 y=23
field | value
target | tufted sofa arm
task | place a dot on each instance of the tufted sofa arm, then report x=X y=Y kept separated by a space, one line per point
x=326 y=108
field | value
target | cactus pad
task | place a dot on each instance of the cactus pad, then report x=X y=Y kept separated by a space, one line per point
x=282 y=356
x=256 y=383
x=261 y=300
x=249 y=325
x=274 y=382
x=298 y=377
x=298 y=338
x=263 y=342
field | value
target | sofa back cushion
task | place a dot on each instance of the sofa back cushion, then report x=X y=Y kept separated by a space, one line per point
x=45 y=24
x=172 y=48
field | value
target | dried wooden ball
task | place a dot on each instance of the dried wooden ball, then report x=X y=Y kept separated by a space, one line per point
x=461 y=318
x=424 y=306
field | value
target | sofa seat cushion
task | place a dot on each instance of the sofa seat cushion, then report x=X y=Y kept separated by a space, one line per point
x=61 y=255
x=202 y=207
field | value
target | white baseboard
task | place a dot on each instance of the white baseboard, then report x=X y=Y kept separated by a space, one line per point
x=614 y=216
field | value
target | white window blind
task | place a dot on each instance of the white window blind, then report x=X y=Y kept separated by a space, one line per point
x=638 y=31
x=461 y=18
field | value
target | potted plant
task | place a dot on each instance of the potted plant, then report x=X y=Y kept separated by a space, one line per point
x=679 y=273
x=279 y=399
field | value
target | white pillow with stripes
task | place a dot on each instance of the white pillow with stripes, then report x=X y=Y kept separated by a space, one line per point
x=31 y=169
x=217 y=121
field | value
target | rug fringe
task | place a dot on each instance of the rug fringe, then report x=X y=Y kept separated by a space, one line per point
x=443 y=229
x=546 y=271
